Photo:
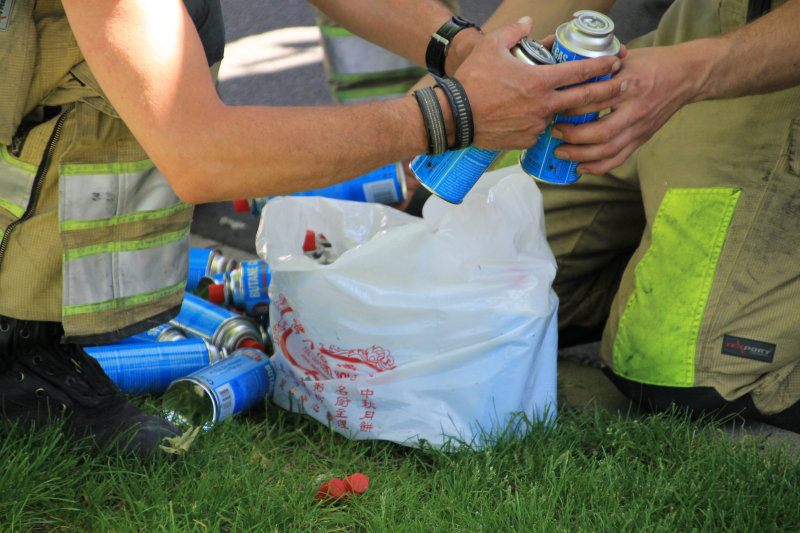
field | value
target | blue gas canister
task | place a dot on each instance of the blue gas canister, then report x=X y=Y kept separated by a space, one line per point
x=223 y=328
x=206 y=262
x=212 y=394
x=589 y=34
x=245 y=289
x=143 y=368
x=451 y=175
x=387 y=185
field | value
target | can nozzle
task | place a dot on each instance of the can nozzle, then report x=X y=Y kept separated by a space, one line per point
x=241 y=206
x=310 y=244
x=216 y=293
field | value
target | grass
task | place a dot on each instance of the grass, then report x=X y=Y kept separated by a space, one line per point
x=594 y=472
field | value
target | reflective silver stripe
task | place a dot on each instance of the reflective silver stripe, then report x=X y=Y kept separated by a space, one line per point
x=354 y=55
x=103 y=277
x=103 y=196
x=16 y=183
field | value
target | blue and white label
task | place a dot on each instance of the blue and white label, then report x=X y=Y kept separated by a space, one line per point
x=255 y=283
x=382 y=186
x=200 y=318
x=150 y=368
x=451 y=175
x=540 y=161
x=239 y=382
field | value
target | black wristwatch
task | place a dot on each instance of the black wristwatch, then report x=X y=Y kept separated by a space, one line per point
x=440 y=43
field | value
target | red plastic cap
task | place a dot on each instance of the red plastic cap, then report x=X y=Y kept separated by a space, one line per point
x=310 y=244
x=250 y=343
x=241 y=206
x=216 y=293
x=332 y=490
x=357 y=483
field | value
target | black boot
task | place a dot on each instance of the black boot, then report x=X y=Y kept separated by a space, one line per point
x=42 y=379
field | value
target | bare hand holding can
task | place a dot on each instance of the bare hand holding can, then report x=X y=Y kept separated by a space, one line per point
x=659 y=81
x=512 y=103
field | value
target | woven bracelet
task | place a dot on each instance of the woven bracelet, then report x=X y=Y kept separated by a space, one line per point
x=462 y=111
x=434 y=120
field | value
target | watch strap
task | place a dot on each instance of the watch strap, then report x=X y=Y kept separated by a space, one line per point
x=436 y=53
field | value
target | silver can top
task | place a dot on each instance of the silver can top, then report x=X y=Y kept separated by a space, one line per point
x=214 y=355
x=533 y=53
x=589 y=34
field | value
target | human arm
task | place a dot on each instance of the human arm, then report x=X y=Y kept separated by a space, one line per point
x=148 y=59
x=758 y=58
x=547 y=16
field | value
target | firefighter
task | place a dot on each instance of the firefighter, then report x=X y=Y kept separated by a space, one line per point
x=111 y=129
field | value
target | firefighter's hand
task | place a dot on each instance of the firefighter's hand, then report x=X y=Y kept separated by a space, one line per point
x=659 y=82
x=513 y=102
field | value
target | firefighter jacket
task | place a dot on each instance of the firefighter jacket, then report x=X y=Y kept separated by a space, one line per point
x=92 y=233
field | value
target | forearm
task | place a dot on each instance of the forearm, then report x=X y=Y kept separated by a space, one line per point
x=307 y=148
x=761 y=57
x=547 y=16
x=157 y=78
x=401 y=26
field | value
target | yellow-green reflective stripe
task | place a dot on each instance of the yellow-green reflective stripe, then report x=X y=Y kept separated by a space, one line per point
x=16 y=210
x=656 y=340
x=105 y=168
x=388 y=74
x=125 y=246
x=335 y=32
x=118 y=303
x=6 y=157
x=71 y=225
x=400 y=88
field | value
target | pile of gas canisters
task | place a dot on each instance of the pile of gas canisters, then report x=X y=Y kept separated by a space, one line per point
x=210 y=361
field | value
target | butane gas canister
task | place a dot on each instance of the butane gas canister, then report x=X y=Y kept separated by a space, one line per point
x=212 y=394
x=589 y=34
x=386 y=185
x=206 y=262
x=143 y=368
x=223 y=328
x=245 y=289
x=451 y=175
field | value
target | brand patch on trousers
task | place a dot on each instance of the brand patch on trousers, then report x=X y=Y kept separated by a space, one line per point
x=5 y=13
x=748 y=348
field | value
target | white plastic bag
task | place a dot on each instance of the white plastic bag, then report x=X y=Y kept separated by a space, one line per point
x=420 y=329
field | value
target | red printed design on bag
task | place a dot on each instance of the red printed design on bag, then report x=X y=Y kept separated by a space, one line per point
x=374 y=357
x=286 y=330
x=315 y=362
x=282 y=305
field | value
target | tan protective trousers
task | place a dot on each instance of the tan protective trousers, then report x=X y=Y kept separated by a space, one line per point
x=690 y=252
